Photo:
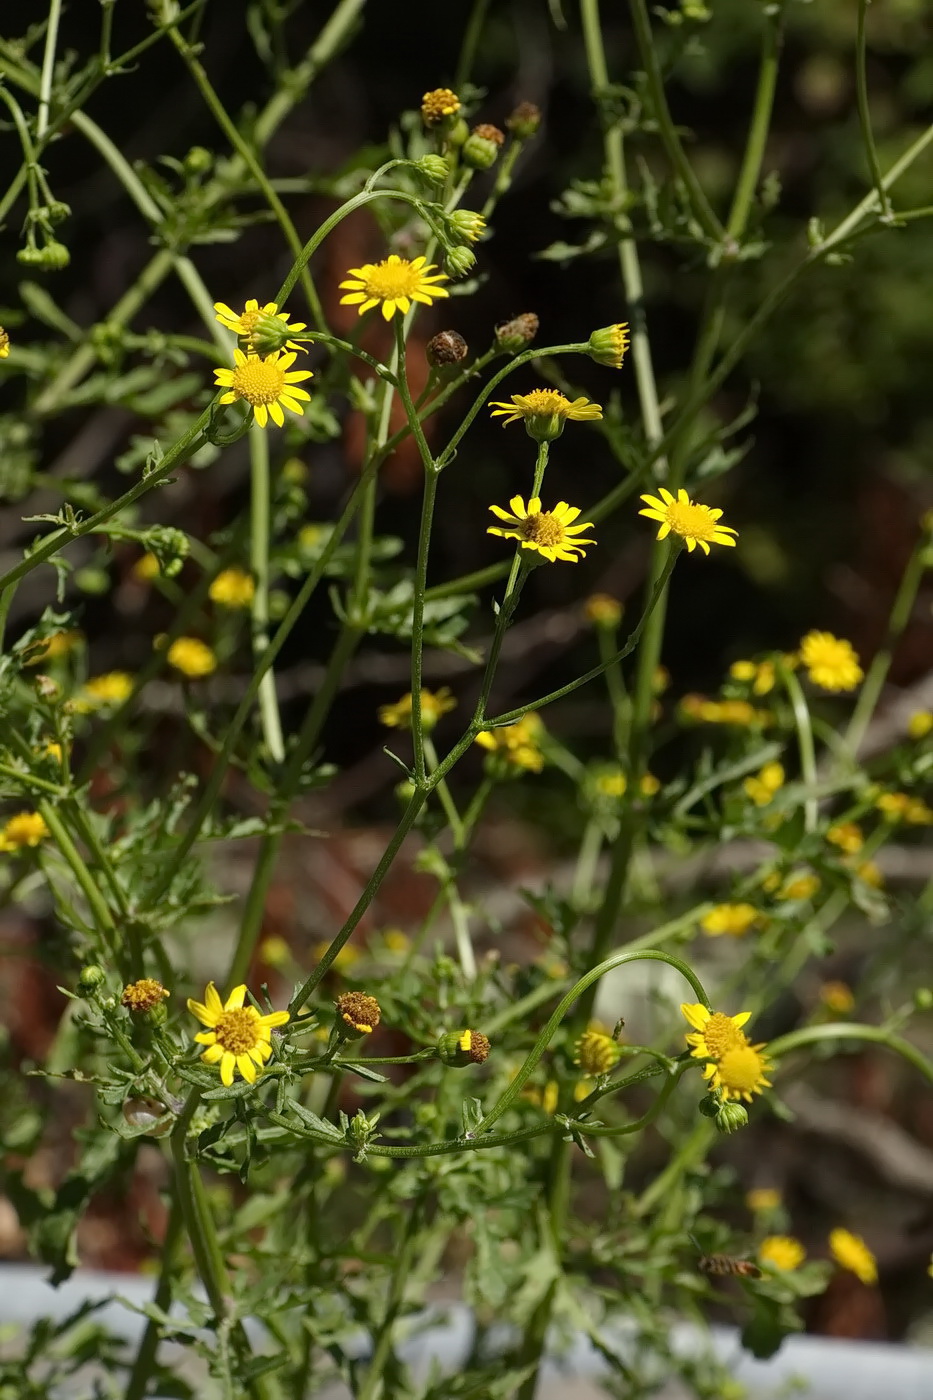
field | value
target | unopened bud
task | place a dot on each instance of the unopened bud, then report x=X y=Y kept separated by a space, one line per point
x=481 y=148
x=608 y=345
x=460 y=261
x=436 y=168
x=438 y=106
x=709 y=1106
x=731 y=1117
x=198 y=160
x=463 y=1048
x=465 y=224
x=513 y=336
x=524 y=121
x=91 y=976
x=55 y=256
x=445 y=349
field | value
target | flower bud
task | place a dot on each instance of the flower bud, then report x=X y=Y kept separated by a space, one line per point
x=465 y=225
x=458 y=1048
x=457 y=133
x=513 y=336
x=143 y=995
x=91 y=976
x=481 y=148
x=709 y=1106
x=438 y=106
x=445 y=349
x=357 y=1015
x=47 y=688
x=603 y=610
x=731 y=1117
x=198 y=161
x=459 y=261
x=30 y=256
x=923 y=999
x=524 y=121
x=58 y=211
x=608 y=345
x=53 y=257
x=435 y=168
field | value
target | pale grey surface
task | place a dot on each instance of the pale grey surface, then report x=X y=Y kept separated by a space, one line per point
x=828 y=1369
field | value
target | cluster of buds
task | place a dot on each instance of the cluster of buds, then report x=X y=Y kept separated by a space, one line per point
x=169 y=546
x=728 y=1115
x=51 y=255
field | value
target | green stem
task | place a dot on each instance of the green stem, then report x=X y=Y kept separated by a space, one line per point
x=405 y=1255
x=470 y=44
x=138 y=1382
x=849 y=1031
x=881 y=663
x=805 y=747
x=48 y=67
x=69 y=851
x=556 y=1207
x=864 y=112
x=259 y=562
x=771 y=41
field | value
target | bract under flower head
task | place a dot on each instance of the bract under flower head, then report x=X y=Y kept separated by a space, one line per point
x=239 y=1040
x=395 y=283
x=549 y=533
x=545 y=411
x=265 y=384
x=694 y=523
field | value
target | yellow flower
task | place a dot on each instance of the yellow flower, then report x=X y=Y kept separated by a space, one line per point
x=4 y=343
x=395 y=282
x=650 y=785
x=704 y=711
x=603 y=610
x=847 y=836
x=550 y=532
x=233 y=588
x=831 y=661
x=611 y=782
x=608 y=345
x=144 y=994
x=545 y=411
x=743 y=671
x=763 y=788
x=244 y=322
x=51 y=749
x=762 y=1199
x=238 y=1038
x=739 y=1072
x=546 y=1098
x=596 y=1053
x=438 y=104
x=359 y=1013
x=900 y=806
x=696 y=524
x=192 y=657
x=714 y=1031
x=275 y=950
x=733 y=919
x=52 y=647
x=837 y=997
x=800 y=886
x=264 y=385
x=23 y=829
x=111 y=688
x=517 y=744
x=853 y=1254
x=434 y=704
x=396 y=941
x=760 y=674
x=783 y=1251
x=146 y=568
x=871 y=874
x=920 y=724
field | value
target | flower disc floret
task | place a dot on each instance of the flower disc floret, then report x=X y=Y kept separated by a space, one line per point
x=395 y=283
x=265 y=384
x=832 y=662
x=853 y=1254
x=739 y=1072
x=238 y=1038
x=713 y=1031
x=696 y=524
x=550 y=533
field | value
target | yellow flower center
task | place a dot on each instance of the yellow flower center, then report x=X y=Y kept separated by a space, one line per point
x=740 y=1068
x=545 y=402
x=543 y=528
x=390 y=280
x=690 y=520
x=236 y=1030
x=248 y=321
x=722 y=1034
x=258 y=381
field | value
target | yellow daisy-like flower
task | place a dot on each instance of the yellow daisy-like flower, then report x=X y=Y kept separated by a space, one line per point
x=545 y=411
x=395 y=282
x=762 y=1199
x=4 y=343
x=920 y=724
x=238 y=1038
x=233 y=588
x=265 y=384
x=144 y=995
x=24 y=829
x=763 y=788
x=438 y=104
x=517 y=744
x=739 y=1073
x=596 y=1053
x=696 y=524
x=871 y=874
x=853 y=1254
x=783 y=1251
x=831 y=662
x=611 y=782
x=192 y=657
x=111 y=688
x=434 y=704
x=732 y=919
x=802 y=886
x=244 y=322
x=837 y=997
x=549 y=532
x=713 y=1031
x=847 y=836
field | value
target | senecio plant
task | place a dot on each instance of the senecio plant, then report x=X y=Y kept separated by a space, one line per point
x=416 y=1105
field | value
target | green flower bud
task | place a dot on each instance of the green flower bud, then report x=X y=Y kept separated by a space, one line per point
x=30 y=257
x=459 y=261
x=458 y=1048
x=609 y=344
x=435 y=168
x=58 y=211
x=92 y=580
x=458 y=133
x=465 y=224
x=524 y=121
x=91 y=976
x=709 y=1106
x=198 y=160
x=731 y=1117
x=923 y=999
x=481 y=148
x=55 y=256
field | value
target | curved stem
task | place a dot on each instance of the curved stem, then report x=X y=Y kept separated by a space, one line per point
x=864 y=112
x=845 y=1030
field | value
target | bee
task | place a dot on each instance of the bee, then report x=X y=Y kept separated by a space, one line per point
x=725 y=1264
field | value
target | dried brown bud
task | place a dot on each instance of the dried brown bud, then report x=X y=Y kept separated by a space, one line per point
x=524 y=121
x=487 y=132
x=446 y=348
x=514 y=335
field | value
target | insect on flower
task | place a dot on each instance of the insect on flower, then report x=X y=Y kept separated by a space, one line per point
x=720 y=1264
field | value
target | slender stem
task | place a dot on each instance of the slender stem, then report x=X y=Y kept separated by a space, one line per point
x=470 y=45
x=556 y=1205
x=138 y=1382
x=881 y=663
x=98 y=905
x=864 y=112
x=805 y=747
x=771 y=41
x=259 y=562
x=405 y=1255
x=848 y=1031
x=48 y=67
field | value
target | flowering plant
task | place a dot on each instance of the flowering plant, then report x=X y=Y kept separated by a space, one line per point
x=335 y=1109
